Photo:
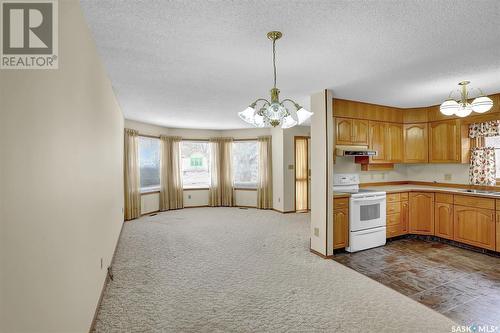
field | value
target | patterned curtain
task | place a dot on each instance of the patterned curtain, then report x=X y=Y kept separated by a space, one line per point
x=489 y=128
x=482 y=169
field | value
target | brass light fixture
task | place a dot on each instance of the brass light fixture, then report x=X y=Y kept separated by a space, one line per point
x=462 y=107
x=274 y=113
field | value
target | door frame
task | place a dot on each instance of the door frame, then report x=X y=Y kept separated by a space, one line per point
x=295 y=171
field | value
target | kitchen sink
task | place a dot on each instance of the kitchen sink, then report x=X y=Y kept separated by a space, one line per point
x=492 y=193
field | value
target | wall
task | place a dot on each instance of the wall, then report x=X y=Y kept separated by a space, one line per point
x=61 y=137
x=194 y=198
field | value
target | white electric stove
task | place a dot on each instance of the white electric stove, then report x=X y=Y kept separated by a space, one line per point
x=367 y=213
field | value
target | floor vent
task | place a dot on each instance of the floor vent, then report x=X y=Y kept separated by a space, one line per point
x=154 y=214
x=243 y=208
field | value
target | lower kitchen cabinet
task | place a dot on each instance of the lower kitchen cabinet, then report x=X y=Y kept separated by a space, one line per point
x=498 y=230
x=443 y=220
x=421 y=213
x=340 y=228
x=475 y=226
x=397 y=214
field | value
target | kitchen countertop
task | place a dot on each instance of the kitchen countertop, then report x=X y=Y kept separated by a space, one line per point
x=420 y=188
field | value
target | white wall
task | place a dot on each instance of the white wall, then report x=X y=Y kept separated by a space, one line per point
x=278 y=166
x=61 y=137
x=194 y=198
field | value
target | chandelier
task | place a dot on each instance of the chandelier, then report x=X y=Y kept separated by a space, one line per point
x=274 y=113
x=462 y=107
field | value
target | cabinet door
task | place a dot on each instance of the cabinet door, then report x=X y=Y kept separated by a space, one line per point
x=444 y=142
x=394 y=143
x=443 y=215
x=474 y=226
x=421 y=216
x=340 y=228
x=498 y=232
x=405 y=209
x=415 y=143
x=359 y=132
x=377 y=141
x=344 y=130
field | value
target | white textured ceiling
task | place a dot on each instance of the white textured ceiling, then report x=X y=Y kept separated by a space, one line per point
x=195 y=64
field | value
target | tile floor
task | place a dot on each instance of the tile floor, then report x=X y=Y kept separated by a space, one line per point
x=461 y=284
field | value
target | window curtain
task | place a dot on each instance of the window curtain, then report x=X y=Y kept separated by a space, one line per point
x=221 y=172
x=482 y=168
x=171 y=189
x=131 y=175
x=265 y=178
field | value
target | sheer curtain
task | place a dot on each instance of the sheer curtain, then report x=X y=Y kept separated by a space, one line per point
x=301 y=174
x=131 y=175
x=265 y=180
x=221 y=172
x=171 y=191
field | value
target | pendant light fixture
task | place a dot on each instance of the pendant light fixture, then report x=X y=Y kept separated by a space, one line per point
x=463 y=107
x=274 y=113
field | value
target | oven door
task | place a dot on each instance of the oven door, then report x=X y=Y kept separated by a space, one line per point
x=367 y=212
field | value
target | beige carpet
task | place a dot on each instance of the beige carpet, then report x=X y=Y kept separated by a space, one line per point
x=235 y=270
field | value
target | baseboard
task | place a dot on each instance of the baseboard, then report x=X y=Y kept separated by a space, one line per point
x=283 y=212
x=106 y=280
x=320 y=254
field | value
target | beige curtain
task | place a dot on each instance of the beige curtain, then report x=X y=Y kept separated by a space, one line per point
x=301 y=174
x=171 y=191
x=265 y=180
x=132 y=175
x=221 y=171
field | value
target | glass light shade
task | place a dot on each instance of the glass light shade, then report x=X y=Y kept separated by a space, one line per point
x=449 y=107
x=276 y=111
x=464 y=110
x=288 y=122
x=303 y=115
x=248 y=115
x=482 y=104
x=259 y=121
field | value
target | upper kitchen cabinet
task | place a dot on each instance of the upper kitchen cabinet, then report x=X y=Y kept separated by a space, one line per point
x=415 y=143
x=351 y=131
x=445 y=142
x=387 y=140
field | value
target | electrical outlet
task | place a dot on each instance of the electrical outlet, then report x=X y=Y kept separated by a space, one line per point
x=101 y=263
x=316 y=232
x=279 y=199
x=447 y=176
x=189 y=196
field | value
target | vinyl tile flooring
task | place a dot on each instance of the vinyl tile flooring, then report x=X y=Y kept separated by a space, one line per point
x=461 y=284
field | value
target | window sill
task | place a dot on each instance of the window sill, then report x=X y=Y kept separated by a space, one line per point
x=245 y=189
x=149 y=192
x=196 y=189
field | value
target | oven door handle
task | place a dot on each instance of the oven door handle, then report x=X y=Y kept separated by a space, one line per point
x=368 y=199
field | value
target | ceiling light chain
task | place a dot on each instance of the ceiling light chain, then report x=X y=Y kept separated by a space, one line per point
x=274 y=113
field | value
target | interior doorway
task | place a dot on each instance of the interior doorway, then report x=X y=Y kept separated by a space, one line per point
x=302 y=178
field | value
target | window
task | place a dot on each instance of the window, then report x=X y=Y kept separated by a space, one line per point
x=195 y=164
x=245 y=164
x=149 y=163
x=494 y=141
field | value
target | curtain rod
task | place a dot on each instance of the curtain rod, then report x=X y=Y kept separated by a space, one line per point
x=199 y=140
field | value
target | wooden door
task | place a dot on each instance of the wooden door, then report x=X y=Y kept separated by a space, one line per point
x=377 y=141
x=359 y=132
x=340 y=228
x=394 y=143
x=474 y=226
x=445 y=141
x=421 y=215
x=405 y=209
x=344 y=130
x=415 y=143
x=443 y=220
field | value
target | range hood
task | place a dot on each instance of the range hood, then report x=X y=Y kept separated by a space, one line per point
x=354 y=151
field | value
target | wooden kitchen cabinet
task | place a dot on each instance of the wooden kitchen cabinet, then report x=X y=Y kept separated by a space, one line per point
x=498 y=231
x=474 y=226
x=415 y=138
x=421 y=213
x=394 y=143
x=397 y=214
x=377 y=141
x=443 y=220
x=405 y=210
x=351 y=131
x=340 y=228
x=445 y=141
